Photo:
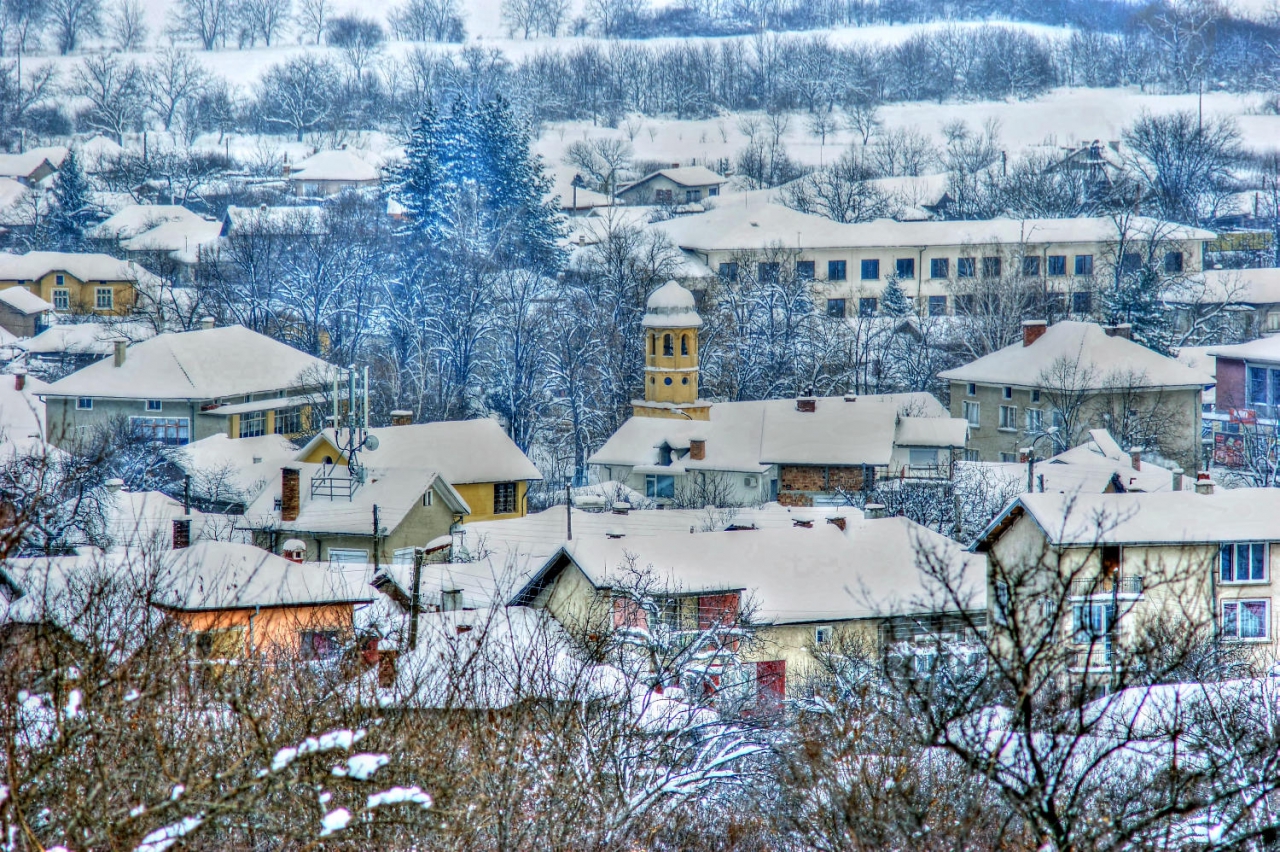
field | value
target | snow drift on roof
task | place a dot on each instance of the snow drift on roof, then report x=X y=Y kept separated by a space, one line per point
x=671 y=306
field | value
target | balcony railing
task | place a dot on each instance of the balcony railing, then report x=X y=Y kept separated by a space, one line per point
x=1084 y=587
x=324 y=484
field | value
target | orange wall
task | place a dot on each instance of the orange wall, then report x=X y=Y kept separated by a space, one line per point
x=274 y=628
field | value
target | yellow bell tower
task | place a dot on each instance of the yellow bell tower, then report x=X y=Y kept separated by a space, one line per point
x=671 y=324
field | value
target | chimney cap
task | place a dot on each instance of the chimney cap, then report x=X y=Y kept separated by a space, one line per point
x=206 y=323
x=115 y=484
x=1034 y=323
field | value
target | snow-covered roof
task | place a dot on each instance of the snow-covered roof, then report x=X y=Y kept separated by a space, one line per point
x=139 y=218
x=949 y=432
x=217 y=575
x=1236 y=514
x=1258 y=286
x=197 y=365
x=247 y=464
x=144 y=520
x=681 y=176
x=86 y=338
x=12 y=192
x=462 y=451
x=749 y=436
x=1264 y=349
x=1093 y=467
x=21 y=411
x=182 y=239
x=671 y=306
x=791 y=575
x=525 y=543
x=280 y=220
x=1094 y=359
x=340 y=165
x=394 y=489
x=24 y=301
x=86 y=266
x=26 y=163
x=732 y=227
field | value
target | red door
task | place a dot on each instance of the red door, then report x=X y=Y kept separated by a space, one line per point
x=771 y=681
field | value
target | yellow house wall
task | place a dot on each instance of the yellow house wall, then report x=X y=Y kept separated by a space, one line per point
x=274 y=629
x=682 y=369
x=573 y=601
x=81 y=293
x=794 y=643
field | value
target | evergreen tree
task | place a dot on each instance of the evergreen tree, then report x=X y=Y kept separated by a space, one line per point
x=893 y=302
x=1136 y=299
x=416 y=184
x=72 y=206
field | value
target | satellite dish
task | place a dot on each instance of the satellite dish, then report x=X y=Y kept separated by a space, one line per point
x=371 y=443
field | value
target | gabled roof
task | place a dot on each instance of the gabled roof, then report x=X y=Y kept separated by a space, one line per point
x=1096 y=361
x=681 y=176
x=24 y=301
x=749 y=436
x=791 y=575
x=1253 y=286
x=395 y=490
x=462 y=451
x=86 y=266
x=731 y=227
x=276 y=220
x=183 y=239
x=27 y=163
x=197 y=365
x=246 y=464
x=216 y=575
x=86 y=338
x=1171 y=517
x=338 y=165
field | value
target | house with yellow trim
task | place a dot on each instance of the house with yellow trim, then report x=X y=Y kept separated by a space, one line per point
x=80 y=282
x=182 y=387
x=476 y=458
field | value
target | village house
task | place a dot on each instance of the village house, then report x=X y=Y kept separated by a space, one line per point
x=1063 y=380
x=1250 y=297
x=302 y=221
x=475 y=457
x=165 y=237
x=1245 y=416
x=679 y=449
x=31 y=167
x=179 y=387
x=803 y=591
x=1198 y=560
x=64 y=348
x=23 y=313
x=378 y=513
x=674 y=186
x=330 y=172
x=933 y=262
x=76 y=282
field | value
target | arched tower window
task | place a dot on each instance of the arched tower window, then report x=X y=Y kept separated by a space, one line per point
x=684 y=344
x=668 y=345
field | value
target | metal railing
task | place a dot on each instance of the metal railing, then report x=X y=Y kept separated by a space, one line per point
x=1128 y=584
x=324 y=484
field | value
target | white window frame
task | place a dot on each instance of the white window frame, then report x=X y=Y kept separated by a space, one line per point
x=1008 y=418
x=428 y=498
x=104 y=304
x=1236 y=548
x=1234 y=606
x=347 y=556
x=62 y=299
x=84 y=403
x=912 y=453
x=822 y=635
x=973 y=414
x=1101 y=622
x=1035 y=420
x=971 y=389
x=155 y=405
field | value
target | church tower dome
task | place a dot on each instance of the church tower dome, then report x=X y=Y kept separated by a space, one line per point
x=671 y=324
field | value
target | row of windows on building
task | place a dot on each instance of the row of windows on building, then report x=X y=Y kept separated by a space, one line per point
x=963 y=304
x=1054 y=266
x=104 y=299
x=691 y=196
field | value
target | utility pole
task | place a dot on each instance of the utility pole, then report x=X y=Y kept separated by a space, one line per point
x=375 y=538
x=415 y=599
x=568 y=511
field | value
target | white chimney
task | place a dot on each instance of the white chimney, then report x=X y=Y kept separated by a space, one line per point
x=121 y=348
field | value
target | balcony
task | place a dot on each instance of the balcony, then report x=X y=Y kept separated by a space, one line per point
x=1128 y=585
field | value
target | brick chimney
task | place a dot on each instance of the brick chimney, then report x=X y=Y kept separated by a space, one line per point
x=290 y=493
x=1122 y=330
x=697 y=449
x=838 y=522
x=1032 y=330
x=401 y=417
x=1204 y=485
x=181 y=533
x=807 y=404
x=1135 y=457
x=121 y=348
x=19 y=379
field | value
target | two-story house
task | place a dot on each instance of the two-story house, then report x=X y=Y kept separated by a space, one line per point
x=476 y=458
x=180 y=387
x=1199 y=563
x=806 y=590
x=1063 y=380
x=677 y=185
x=76 y=282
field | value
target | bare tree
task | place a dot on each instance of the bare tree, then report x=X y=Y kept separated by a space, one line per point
x=842 y=192
x=313 y=17
x=428 y=20
x=601 y=157
x=268 y=20
x=116 y=92
x=173 y=79
x=298 y=94
x=207 y=22
x=359 y=39
x=1184 y=164
x=73 y=20
x=127 y=25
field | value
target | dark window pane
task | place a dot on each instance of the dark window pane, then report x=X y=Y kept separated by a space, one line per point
x=836 y=270
x=1082 y=302
x=867 y=306
x=1031 y=266
x=1173 y=261
x=1057 y=264
x=835 y=308
x=804 y=270
x=991 y=267
x=729 y=271
x=965 y=303
x=870 y=270
x=768 y=272
x=906 y=267
x=937 y=306
x=965 y=267
x=1084 y=264
x=939 y=267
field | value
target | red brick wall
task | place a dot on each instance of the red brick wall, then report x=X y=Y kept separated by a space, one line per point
x=818 y=478
x=1230 y=375
x=717 y=609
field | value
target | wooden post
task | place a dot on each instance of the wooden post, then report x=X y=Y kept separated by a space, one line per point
x=415 y=598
